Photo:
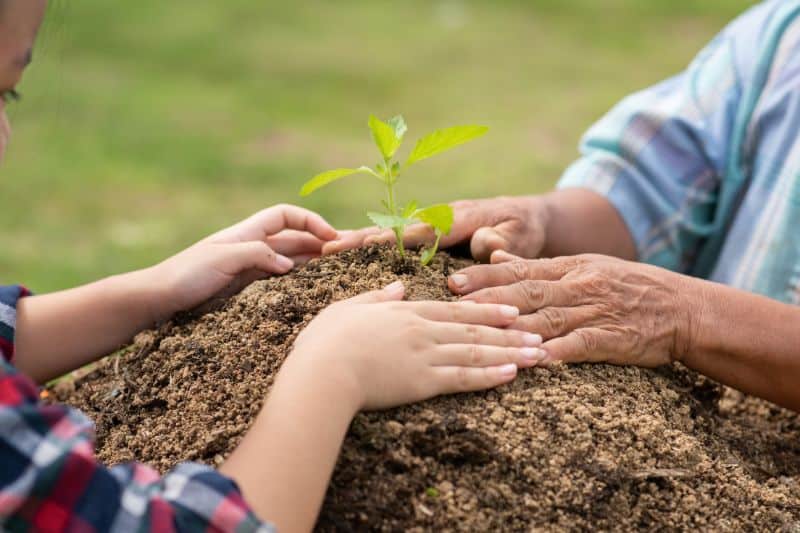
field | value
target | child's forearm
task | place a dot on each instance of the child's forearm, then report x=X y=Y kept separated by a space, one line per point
x=284 y=464
x=60 y=332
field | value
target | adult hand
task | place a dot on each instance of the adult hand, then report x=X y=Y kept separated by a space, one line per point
x=514 y=224
x=272 y=241
x=386 y=352
x=589 y=308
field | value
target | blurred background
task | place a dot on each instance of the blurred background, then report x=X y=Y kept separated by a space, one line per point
x=147 y=125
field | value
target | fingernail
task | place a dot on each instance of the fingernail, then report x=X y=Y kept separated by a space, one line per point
x=283 y=262
x=394 y=288
x=508 y=370
x=498 y=255
x=509 y=311
x=532 y=355
x=545 y=360
x=531 y=339
x=459 y=280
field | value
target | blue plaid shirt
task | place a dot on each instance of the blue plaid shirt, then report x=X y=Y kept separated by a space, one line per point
x=705 y=167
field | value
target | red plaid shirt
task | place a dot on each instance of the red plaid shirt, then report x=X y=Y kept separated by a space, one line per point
x=51 y=481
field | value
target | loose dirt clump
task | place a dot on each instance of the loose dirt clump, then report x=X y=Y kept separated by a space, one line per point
x=569 y=448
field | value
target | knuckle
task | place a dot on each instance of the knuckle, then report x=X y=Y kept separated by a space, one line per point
x=553 y=320
x=475 y=355
x=518 y=270
x=455 y=312
x=511 y=337
x=532 y=291
x=588 y=341
x=462 y=379
x=596 y=284
x=411 y=328
x=473 y=334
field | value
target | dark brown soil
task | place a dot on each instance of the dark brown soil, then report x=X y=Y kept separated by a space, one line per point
x=583 y=447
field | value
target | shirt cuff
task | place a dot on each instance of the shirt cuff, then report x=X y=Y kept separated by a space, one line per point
x=9 y=296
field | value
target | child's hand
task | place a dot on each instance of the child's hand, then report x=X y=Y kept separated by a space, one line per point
x=384 y=352
x=270 y=242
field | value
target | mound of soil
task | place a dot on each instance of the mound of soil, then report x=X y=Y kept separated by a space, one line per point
x=568 y=448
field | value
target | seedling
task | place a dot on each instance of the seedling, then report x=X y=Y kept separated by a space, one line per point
x=388 y=137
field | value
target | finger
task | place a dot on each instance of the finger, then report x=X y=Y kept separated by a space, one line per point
x=487 y=240
x=482 y=356
x=481 y=276
x=381 y=237
x=455 y=379
x=292 y=243
x=303 y=259
x=530 y=296
x=242 y=280
x=283 y=217
x=348 y=239
x=465 y=312
x=242 y=256
x=393 y=291
x=501 y=256
x=449 y=333
x=272 y=220
x=582 y=345
x=550 y=322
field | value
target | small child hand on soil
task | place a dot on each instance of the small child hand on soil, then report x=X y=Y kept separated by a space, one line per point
x=370 y=352
x=86 y=323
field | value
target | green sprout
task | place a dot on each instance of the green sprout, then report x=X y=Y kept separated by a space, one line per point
x=388 y=137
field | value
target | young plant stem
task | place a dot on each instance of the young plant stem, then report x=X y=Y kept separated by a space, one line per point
x=398 y=232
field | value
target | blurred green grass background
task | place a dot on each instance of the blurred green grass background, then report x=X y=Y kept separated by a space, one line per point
x=147 y=125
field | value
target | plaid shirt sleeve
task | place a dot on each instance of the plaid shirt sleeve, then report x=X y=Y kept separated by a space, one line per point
x=51 y=481
x=661 y=155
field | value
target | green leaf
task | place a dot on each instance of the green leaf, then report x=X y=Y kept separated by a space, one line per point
x=320 y=180
x=384 y=136
x=384 y=221
x=445 y=139
x=410 y=209
x=398 y=124
x=439 y=216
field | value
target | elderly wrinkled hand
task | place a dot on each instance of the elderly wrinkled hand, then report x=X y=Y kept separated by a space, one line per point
x=588 y=308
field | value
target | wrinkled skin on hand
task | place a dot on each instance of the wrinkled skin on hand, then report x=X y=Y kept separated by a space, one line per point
x=514 y=224
x=589 y=308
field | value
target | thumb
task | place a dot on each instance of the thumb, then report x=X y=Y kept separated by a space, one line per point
x=501 y=256
x=392 y=292
x=242 y=256
x=488 y=239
